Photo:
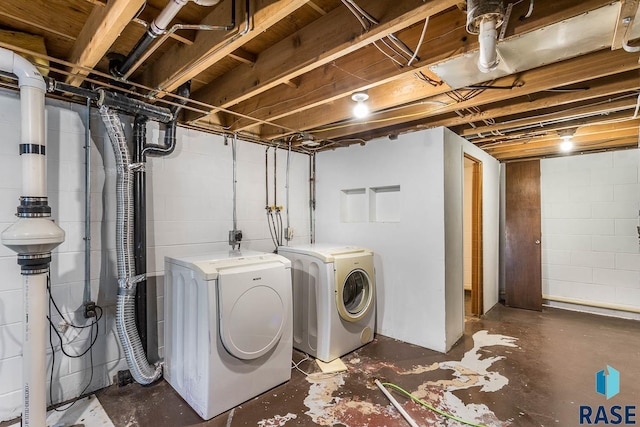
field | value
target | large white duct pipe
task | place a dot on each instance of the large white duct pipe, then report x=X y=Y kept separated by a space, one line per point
x=33 y=236
x=483 y=18
x=488 y=37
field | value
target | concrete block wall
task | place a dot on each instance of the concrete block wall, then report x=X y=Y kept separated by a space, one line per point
x=189 y=211
x=590 y=245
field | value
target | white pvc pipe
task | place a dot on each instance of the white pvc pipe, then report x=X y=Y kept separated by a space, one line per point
x=34 y=182
x=206 y=2
x=397 y=405
x=487 y=38
x=32 y=89
x=33 y=350
x=162 y=21
x=33 y=236
x=164 y=18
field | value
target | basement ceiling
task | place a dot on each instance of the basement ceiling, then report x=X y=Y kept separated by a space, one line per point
x=287 y=76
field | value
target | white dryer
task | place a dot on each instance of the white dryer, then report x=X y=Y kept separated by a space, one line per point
x=227 y=327
x=334 y=308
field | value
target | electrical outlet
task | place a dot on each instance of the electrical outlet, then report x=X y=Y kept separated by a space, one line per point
x=89 y=310
x=235 y=237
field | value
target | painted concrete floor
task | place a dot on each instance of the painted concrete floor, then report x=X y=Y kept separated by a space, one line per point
x=512 y=367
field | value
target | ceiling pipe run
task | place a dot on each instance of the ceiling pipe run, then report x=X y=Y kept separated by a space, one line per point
x=484 y=17
x=33 y=236
x=157 y=27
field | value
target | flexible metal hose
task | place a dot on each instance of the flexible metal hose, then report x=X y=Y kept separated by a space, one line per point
x=140 y=368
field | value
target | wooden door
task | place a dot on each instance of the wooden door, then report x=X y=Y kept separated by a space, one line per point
x=477 y=301
x=523 y=266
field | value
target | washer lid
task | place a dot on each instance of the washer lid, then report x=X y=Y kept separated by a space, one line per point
x=325 y=252
x=209 y=266
x=254 y=305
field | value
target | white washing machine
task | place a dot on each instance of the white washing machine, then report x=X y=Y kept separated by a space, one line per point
x=334 y=308
x=227 y=327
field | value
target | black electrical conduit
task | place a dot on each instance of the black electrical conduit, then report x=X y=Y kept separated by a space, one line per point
x=140 y=151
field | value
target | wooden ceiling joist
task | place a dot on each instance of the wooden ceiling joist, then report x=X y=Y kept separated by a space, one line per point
x=182 y=63
x=446 y=37
x=102 y=28
x=330 y=37
x=599 y=64
x=608 y=86
x=611 y=122
x=597 y=107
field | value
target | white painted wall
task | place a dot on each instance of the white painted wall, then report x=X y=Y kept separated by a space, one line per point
x=412 y=253
x=189 y=211
x=455 y=149
x=590 y=245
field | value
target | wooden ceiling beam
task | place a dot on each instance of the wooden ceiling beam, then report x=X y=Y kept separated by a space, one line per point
x=244 y=56
x=550 y=146
x=596 y=65
x=605 y=107
x=628 y=10
x=101 y=29
x=446 y=37
x=544 y=153
x=612 y=122
x=326 y=39
x=612 y=85
x=364 y=69
x=182 y=62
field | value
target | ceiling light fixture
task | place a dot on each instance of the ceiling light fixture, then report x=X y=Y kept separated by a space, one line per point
x=567 y=139
x=360 y=110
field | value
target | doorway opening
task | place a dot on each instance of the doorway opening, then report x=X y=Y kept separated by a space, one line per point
x=472 y=241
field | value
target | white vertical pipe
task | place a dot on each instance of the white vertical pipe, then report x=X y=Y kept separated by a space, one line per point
x=32 y=120
x=32 y=89
x=36 y=240
x=487 y=38
x=34 y=351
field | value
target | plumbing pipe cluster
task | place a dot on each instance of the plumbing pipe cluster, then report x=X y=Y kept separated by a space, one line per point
x=157 y=27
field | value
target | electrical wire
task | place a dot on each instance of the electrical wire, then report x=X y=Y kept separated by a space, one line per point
x=89 y=349
x=426 y=405
x=529 y=12
x=415 y=53
x=295 y=365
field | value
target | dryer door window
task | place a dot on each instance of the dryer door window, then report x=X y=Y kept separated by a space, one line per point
x=356 y=297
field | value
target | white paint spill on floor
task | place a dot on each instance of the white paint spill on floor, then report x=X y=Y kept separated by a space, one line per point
x=470 y=372
x=277 y=421
x=320 y=397
x=87 y=411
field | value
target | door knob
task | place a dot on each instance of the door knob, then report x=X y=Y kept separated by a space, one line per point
x=537 y=242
